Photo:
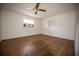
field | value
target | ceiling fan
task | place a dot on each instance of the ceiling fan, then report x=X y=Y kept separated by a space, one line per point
x=36 y=8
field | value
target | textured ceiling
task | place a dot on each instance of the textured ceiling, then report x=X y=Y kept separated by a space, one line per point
x=52 y=8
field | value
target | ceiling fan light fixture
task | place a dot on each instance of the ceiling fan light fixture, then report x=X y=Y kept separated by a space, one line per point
x=36 y=13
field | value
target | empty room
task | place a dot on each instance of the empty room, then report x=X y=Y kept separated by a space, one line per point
x=38 y=29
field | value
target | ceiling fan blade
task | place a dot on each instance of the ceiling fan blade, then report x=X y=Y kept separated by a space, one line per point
x=42 y=10
x=37 y=5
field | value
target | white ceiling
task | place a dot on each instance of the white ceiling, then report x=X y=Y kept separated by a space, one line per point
x=52 y=8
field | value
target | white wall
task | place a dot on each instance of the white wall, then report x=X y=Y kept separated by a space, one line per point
x=77 y=32
x=62 y=25
x=0 y=25
x=77 y=36
x=12 y=25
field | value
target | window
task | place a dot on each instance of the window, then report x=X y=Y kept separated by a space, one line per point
x=28 y=23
